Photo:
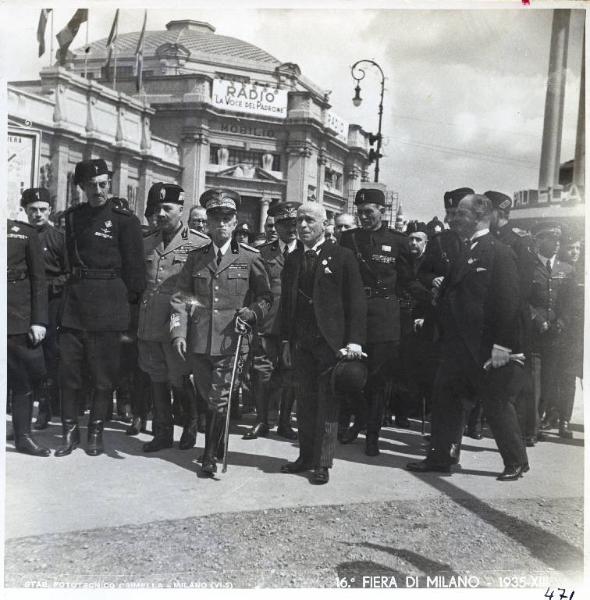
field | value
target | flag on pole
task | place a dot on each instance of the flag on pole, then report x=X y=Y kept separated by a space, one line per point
x=139 y=55
x=41 y=29
x=66 y=36
x=111 y=41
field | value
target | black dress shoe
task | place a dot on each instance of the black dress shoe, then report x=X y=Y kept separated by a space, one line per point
x=297 y=466
x=319 y=476
x=474 y=434
x=258 y=430
x=27 y=445
x=541 y=437
x=350 y=435
x=425 y=466
x=136 y=427
x=42 y=421
x=287 y=433
x=209 y=466
x=564 y=430
x=530 y=441
x=512 y=473
x=158 y=443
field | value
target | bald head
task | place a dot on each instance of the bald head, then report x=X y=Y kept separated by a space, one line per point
x=311 y=223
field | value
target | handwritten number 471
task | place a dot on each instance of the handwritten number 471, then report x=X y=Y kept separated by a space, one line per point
x=562 y=594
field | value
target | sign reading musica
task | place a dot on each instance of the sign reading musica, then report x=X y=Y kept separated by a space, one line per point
x=249 y=98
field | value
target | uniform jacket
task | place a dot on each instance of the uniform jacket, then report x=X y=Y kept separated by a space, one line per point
x=480 y=297
x=518 y=240
x=26 y=297
x=54 y=253
x=382 y=256
x=273 y=261
x=104 y=241
x=442 y=251
x=339 y=301
x=162 y=267
x=207 y=297
x=548 y=293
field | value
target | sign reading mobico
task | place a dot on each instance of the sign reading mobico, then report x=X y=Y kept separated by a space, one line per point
x=249 y=98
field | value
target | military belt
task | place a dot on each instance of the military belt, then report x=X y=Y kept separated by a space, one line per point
x=16 y=275
x=82 y=273
x=378 y=293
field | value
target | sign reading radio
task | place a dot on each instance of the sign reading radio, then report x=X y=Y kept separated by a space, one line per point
x=249 y=98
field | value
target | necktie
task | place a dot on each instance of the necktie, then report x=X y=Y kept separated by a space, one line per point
x=219 y=256
x=549 y=265
x=310 y=260
x=285 y=251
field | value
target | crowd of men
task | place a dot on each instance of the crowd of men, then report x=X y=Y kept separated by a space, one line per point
x=357 y=325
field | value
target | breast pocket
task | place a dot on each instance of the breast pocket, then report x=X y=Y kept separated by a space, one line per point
x=201 y=283
x=237 y=280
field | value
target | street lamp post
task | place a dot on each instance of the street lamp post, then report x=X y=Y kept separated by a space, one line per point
x=358 y=77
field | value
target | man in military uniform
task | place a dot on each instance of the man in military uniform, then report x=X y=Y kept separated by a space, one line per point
x=104 y=253
x=166 y=252
x=551 y=286
x=221 y=285
x=382 y=255
x=268 y=376
x=26 y=301
x=270 y=231
x=38 y=206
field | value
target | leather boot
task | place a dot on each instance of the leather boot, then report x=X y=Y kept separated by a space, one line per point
x=102 y=401
x=71 y=437
x=284 y=428
x=95 y=445
x=209 y=466
x=44 y=413
x=260 y=428
x=137 y=426
x=372 y=444
x=162 y=422
x=188 y=439
x=22 y=411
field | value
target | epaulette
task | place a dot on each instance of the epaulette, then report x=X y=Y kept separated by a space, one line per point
x=251 y=248
x=26 y=226
x=203 y=249
x=121 y=210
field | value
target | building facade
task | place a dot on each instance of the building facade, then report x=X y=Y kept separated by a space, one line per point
x=211 y=111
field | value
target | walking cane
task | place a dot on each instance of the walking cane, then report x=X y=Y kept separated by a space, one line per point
x=242 y=329
x=423 y=412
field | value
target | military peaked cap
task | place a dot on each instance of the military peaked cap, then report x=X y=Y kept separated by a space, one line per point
x=35 y=195
x=243 y=227
x=87 y=169
x=370 y=195
x=499 y=200
x=284 y=210
x=220 y=198
x=544 y=227
x=453 y=197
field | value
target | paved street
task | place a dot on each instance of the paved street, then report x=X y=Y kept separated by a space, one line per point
x=128 y=497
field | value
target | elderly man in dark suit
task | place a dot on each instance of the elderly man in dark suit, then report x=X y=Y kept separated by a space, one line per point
x=478 y=313
x=323 y=315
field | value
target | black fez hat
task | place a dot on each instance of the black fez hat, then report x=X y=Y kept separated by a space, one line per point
x=415 y=227
x=284 y=210
x=499 y=200
x=220 y=198
x=165 y=192
x=550 y=227
x=35 y=195
x=87 y=169
x=349 y=376
x=243 y=227
x=453 y=197
x=369 y=195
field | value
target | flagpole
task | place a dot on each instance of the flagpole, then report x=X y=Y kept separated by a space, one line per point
x=115 y=52
x=86 y=47
x=51 y=37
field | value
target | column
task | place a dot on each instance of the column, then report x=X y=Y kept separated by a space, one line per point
x=59 y=166
x=322 y=161
x=297 y=157
x=264 y=204
x=554 y=101
x=580 y=155
x=120 y=174
x=195 y=158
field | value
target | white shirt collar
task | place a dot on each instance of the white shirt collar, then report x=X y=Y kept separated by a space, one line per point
x=292 y=245
x=223 y=248
x=317 y=244
x=544 y=259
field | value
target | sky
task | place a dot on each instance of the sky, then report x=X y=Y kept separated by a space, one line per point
x=465 y=89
